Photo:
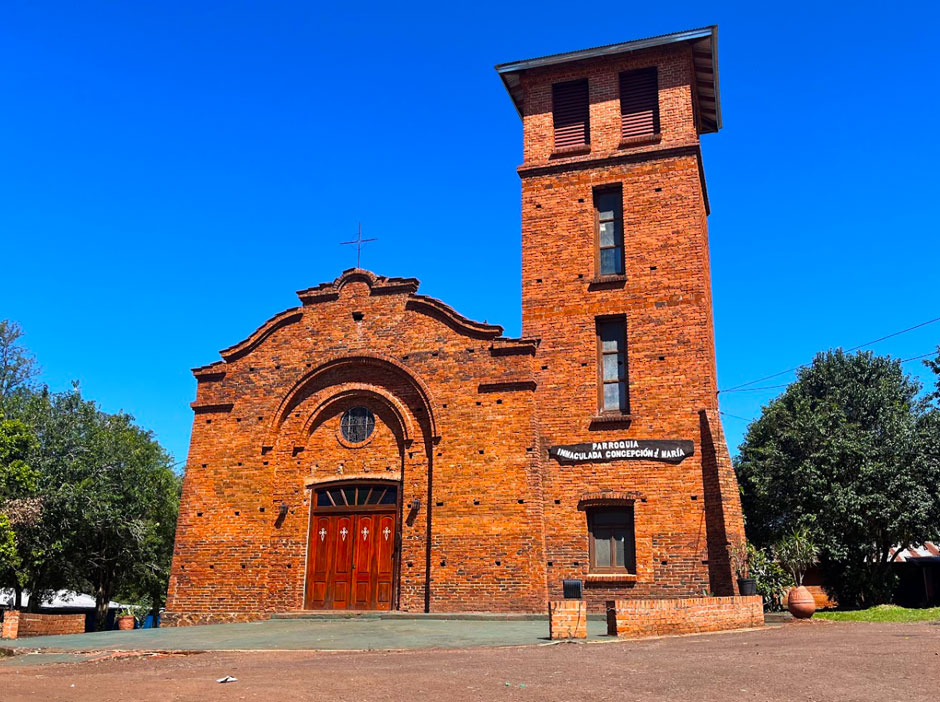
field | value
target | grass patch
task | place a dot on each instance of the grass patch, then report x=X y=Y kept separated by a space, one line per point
x=883 y=613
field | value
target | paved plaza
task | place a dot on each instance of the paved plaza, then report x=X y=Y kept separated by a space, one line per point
x=314 y=634
x=818 y=660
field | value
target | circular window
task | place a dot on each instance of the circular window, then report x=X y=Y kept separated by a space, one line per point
x=357 y=424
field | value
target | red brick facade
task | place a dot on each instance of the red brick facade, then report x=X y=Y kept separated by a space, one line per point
x=464 y=417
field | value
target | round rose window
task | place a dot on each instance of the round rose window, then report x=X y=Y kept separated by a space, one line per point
x=357 y=424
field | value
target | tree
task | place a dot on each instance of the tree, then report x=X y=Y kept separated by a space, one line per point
x=121 y=497
x=934 y=365
x=88 y=500
x=18 y=482
x=18 y=366
x=45 y=531
x=849 y=452
x=147 y=584
x=108 y=498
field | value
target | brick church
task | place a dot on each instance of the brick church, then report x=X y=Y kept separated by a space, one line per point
x=373 y=449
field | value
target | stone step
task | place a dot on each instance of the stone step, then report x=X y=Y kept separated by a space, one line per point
x=424 y=616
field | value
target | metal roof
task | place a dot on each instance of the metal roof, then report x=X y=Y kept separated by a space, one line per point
x=704 y=43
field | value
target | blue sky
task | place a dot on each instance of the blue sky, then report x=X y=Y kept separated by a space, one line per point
x=172 y=173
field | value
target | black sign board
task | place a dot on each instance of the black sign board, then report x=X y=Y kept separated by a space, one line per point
x=663 y=451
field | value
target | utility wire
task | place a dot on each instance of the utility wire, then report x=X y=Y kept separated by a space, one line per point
x=917 y=358
x=783 y=385
x=762 y=387
x=854 y=348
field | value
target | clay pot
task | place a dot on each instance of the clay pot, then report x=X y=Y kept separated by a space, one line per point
x=125 y=623
x=801 y=603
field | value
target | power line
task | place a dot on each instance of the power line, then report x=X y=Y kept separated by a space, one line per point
x=917 y=358
x=783 y=385
x=854 y=348
x=762 y=387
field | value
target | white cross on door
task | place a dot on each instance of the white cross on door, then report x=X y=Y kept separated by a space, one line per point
x=386 y=531
x=343 y=532
x=365 y=533
x=322 y=533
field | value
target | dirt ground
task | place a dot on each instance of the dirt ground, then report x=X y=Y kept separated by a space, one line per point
x=800 y=661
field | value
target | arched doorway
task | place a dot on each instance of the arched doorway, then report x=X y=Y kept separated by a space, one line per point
x=352 y=545
x=357 y=422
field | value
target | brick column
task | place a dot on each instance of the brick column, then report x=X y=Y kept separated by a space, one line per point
x=11 y=624
x=567 y=619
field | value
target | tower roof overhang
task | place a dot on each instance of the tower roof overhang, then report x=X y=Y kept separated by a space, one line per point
x=704 y=43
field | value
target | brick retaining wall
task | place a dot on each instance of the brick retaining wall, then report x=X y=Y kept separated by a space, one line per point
x=638 y=618
x=11 y=624
x=21 y=624
x=567 y=619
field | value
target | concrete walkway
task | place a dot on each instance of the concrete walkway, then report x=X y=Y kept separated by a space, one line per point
x=309 y=634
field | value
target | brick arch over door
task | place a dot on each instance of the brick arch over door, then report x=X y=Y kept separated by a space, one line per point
x=374 y=369
x=306 y=448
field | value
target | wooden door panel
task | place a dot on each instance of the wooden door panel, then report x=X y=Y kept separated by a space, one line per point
x=319 y=555
x=363 y=571
x=351 y=561
x=341 y=572
x=385 y=545
x=383 y=595
x=385 y=560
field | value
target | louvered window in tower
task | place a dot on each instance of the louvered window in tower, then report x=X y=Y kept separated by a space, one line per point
x=570 y=114
x=639 y=103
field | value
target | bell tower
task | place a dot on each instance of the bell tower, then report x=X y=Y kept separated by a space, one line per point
x=616 y=285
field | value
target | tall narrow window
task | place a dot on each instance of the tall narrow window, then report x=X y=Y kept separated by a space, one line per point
x=608 y=213
x=612 y=357
x=570 y=114
x=639 y=103
x=612 y=540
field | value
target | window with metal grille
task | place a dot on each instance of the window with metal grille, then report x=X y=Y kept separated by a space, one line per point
x=570 y=114
x=357 y=424
x=612 y=365
x=612 y=542
x=639 y=103
x=357 y=496
x=608 y=213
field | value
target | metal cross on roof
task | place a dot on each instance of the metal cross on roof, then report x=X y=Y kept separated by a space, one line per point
x=359 y=241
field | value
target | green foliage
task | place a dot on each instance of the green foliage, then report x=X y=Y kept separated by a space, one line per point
x=883 y=613
x=18 y=367
x=108 y=500
x=771 y=579
x=850 y=453
x=934 y=365
x=17 y=479
x=795 y=553
x=8 y=554
x=740 y=556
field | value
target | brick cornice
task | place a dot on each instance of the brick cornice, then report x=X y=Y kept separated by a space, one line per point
x=447 y=314
x=607 y=160
x=378 y=285
x=261 y=333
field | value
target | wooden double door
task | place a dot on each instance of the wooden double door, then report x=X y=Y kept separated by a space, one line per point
x=351 y=560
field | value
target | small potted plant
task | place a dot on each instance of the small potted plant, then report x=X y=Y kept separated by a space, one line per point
x=796 y=553
x=740 y=561
x=126 y=620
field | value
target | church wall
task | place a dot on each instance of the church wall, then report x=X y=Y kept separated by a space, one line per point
x=252 y=450
x=465 y=417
